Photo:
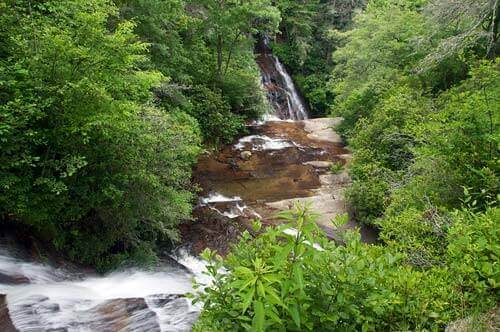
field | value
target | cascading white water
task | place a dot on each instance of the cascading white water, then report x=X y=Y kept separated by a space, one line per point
x=53 y=299
x=281 y=90
x=295 y=104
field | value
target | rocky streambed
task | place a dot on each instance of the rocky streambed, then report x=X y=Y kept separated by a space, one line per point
x=278 y=164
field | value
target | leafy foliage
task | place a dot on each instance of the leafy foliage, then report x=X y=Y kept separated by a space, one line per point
x=293 y=278
x=336 y=167
x=422 y=120
x=206 y=48
x=473 y=254
x=86 y=160
x=418 y=137
x=103 y=104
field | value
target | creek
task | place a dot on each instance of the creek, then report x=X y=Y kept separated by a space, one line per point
x=285 y=159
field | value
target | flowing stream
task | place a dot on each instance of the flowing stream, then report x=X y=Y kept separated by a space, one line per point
x=41 y=297
x=285 y=159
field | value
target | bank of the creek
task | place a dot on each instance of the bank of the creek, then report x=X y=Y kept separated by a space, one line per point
x=283 y=160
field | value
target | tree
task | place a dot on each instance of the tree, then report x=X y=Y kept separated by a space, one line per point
x=86 y=161
x=232 y=23
x=378 y=55
x=470 y=23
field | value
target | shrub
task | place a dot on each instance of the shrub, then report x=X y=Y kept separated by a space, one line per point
x=337 y=167
x=473 y=255
x=369 y=192
x=85 y=160
x=292 y=278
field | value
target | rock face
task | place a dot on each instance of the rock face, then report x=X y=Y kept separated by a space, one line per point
x=322 y=129
x=290 y=163
x=328 y=199
x=319 y=164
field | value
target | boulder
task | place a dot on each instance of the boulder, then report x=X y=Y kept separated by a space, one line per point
x=129 y=314
x=6 y=324
x=245 y=155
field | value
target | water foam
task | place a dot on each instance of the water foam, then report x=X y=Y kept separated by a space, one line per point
x=61 y=299
x=263 y=143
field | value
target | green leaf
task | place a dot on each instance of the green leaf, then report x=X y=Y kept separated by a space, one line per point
x=298 y=277
x=282 y=256
x=272 y=313
x=247 y=299
x=272 y=297
x=260 y=289
x=294 y=312
x=259 y=316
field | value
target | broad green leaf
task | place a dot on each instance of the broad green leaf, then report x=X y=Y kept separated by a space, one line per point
x=247 y=299
x=294 y=312
x=259 y=317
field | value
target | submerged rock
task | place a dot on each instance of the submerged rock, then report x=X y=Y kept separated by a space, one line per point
x=16 y=279
x=245 y=155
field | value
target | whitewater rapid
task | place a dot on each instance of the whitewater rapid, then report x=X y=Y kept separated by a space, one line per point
x=57 y=299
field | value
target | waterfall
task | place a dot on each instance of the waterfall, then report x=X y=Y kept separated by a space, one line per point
x=296 y=107
x=281 y=90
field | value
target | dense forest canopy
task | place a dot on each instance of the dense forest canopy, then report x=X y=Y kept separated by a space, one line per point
x=105 y=106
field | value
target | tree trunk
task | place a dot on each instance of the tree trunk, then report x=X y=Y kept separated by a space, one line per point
x=231 y=52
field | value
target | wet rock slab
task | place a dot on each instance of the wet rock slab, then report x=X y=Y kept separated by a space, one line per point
x=288 y=162
x=162 y=312
x=286 y=170
x=132 y=314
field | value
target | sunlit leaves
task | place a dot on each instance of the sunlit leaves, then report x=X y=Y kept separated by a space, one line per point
x=84 y=160
x=352 y=287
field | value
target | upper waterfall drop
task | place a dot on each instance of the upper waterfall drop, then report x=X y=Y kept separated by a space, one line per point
x=281 y=91
x=294 y=101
